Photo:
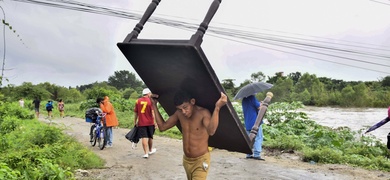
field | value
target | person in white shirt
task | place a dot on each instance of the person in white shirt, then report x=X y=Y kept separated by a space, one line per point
x=21 y=102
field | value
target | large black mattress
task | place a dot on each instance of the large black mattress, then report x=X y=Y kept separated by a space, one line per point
x=166 y=66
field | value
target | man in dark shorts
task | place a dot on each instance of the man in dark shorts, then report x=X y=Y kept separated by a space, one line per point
x=37 y=104
x=49 y=109
x=144 y=120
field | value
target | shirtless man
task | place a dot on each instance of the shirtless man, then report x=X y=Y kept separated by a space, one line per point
x=197 y=125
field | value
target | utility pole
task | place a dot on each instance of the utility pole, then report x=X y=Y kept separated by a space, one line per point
x=2 y=68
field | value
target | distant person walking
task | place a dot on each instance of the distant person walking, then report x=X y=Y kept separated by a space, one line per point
x=37 y=104
x=49 y=109
x=21 y=102
x=250 y=108
x=144 y=120
x=61 y=108
x=111 y=119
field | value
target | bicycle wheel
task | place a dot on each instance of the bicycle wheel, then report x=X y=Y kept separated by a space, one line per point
x=93 y=135
x=99 y=137
x=93 y=143
x=102 y=138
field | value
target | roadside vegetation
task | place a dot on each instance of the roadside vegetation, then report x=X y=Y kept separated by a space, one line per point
x=288 y=130
x=35 y=150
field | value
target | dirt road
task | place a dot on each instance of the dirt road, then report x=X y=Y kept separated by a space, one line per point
x=125 y=163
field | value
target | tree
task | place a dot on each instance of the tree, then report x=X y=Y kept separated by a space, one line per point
x=228 y=85
x=332 y=84
x=361 y=96
x=257 y=77
x=101 y=90
x=72 y=95
x=29 y=91
x=246 y=82
x=347 y=96
x=281 y=90
x=273 y=79
x=318 y=94
x=334 y=97
x=124 y=79
x=82 y=88
x=126 y=94
x=25 y=91
x=305 y=82
x=386 y=81
x=381 y=98
x=303 y=97
x=314 y=86
x=294 y=76
x=52 y=88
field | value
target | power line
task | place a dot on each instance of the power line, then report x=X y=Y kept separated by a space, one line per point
x=311 y=57
x=2 y=68
x=309 y=43
x=380 y=2
x=265 y=38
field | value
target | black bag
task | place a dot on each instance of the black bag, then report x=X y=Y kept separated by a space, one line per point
x=91 y=115
x=133 y=135
x=388 y=141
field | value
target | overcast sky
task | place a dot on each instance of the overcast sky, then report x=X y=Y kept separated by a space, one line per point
x=70 y=48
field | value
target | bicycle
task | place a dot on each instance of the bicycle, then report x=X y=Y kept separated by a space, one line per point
x=98 y=131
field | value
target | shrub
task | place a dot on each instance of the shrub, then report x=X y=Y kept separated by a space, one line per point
x=323 y=155
x=8 y=124
x=8 y=173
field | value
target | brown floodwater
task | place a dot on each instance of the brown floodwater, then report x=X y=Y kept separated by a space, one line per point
x=354 y=118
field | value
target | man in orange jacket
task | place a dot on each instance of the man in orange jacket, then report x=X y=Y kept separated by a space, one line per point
x=111 y=119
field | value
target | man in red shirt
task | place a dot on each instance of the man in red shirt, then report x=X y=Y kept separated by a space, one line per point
x=144 y=120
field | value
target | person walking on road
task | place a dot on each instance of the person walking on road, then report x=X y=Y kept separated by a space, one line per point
x=37 y=104
x=111 y=119
x=61 y=108
x=49 y=108
x=144 y=120
x=21 y=102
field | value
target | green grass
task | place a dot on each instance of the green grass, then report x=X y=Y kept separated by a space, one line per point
x=35 y=150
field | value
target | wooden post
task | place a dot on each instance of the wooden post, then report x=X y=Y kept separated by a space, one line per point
x=260 y=115
x=197 y=37
x=137 y=29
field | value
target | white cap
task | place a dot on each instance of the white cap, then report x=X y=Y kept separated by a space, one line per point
x=145 y=91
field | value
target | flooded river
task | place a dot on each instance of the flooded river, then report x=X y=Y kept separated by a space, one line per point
x=354 y=118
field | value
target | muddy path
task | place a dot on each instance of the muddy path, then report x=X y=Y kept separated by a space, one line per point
x=125 y=163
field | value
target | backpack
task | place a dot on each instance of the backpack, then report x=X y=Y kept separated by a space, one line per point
x=49 y=106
